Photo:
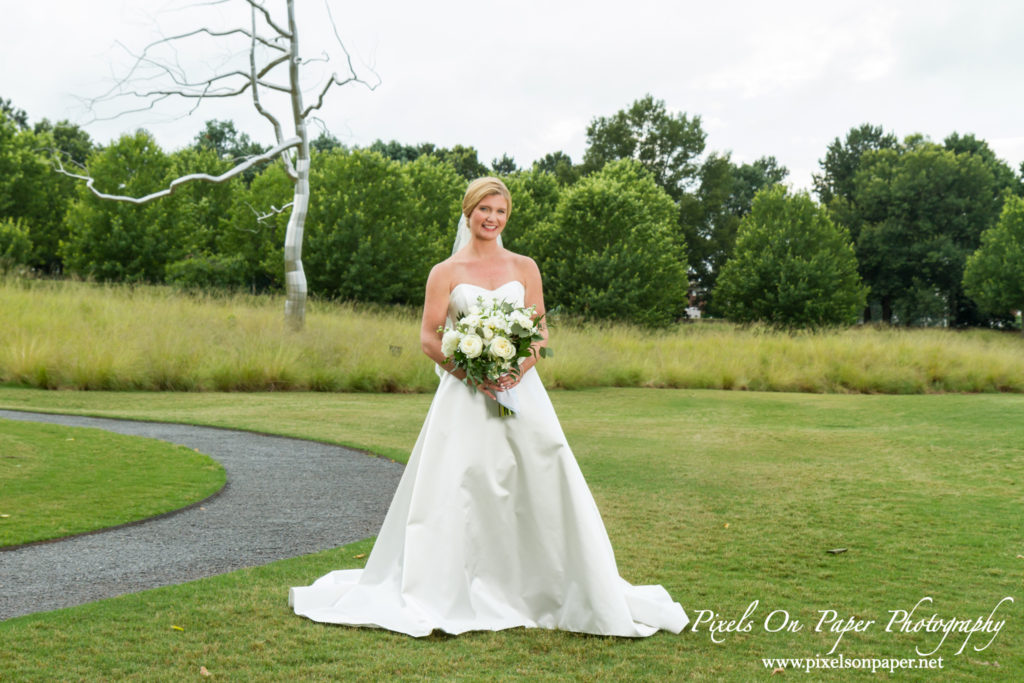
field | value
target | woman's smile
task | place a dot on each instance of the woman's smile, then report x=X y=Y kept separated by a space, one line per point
x=489 y=216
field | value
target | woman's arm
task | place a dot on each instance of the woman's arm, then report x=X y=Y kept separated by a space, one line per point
x=534 y=297
x=435 y=312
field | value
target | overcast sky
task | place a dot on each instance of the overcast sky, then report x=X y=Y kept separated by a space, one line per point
x=778 y=78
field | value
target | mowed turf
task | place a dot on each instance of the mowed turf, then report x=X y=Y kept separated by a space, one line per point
x=59 y=481
x=725 y=498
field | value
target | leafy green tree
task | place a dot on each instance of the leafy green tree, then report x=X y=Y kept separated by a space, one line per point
x=112 y=241
x=396 y=151
x=915 y=210
x=325 y=142
x=229 y=144
x=256 y=229
x=842 y=161
x=224 y=139
x=559 y=164
x=994 y=274
x=792 y=266
x=435 y=189
x=535 y=197
x=708 y=225
x=1005 y=178
x=364 y=237
x=919 y=213
x=613 y=252
x=463 y=159
x=20 y=169
x=402 y=217
x=195 y=218
x=14 y=114
x=504 y=166
x=710 y=216
x=749 y=179
x=69 y=139
x=31 y=193
x=667 y=145
x=15 y=245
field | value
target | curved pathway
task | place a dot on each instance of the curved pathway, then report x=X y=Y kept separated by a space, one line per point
x=284 y=497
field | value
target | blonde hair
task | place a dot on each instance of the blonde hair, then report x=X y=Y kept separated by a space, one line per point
x=484 y=187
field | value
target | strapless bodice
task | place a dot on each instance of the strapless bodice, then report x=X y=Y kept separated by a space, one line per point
x=464 y=295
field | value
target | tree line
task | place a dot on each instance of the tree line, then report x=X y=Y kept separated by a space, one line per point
x=645 y=226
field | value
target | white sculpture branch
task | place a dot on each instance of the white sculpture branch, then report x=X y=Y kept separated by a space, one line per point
x=157 y=74
x=258 y=6
x=274 y=211
x=178 y=182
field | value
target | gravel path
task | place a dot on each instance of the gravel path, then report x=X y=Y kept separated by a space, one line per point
x=284 y=498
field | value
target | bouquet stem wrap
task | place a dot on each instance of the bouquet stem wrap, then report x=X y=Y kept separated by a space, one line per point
x=508 y=402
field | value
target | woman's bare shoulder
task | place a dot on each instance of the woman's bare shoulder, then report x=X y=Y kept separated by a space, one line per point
x=446 y=266
x=441 y=272
x=525 y=264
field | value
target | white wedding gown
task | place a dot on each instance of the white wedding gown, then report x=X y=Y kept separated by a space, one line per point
x=492 y=527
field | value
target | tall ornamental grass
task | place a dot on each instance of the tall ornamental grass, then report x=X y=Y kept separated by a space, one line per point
x=60 y=335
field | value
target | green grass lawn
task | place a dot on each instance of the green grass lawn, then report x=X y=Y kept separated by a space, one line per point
x=723 y=497
x=58 y=481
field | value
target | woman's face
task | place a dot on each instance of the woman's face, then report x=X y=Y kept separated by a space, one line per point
x=488 y=217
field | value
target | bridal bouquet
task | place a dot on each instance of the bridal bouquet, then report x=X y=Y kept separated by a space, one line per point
x=489 y=341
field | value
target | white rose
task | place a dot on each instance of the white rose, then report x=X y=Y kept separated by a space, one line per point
x=497 y=323
x=524 y=321
x=450 y=342
x=472 y=321
x=502 y=348
x=471 y=345
x=488 y=332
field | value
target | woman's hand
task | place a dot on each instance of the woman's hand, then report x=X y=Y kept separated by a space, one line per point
x=503 y=383
x=488 y=389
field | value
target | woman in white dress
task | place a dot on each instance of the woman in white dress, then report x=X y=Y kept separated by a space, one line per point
x=492 y=525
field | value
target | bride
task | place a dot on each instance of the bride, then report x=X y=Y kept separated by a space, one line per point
x=492 y=525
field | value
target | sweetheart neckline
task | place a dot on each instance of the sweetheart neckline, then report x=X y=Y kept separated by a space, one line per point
x=487 y=289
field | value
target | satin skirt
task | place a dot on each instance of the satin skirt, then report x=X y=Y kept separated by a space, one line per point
x=492 y=527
